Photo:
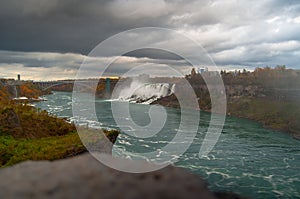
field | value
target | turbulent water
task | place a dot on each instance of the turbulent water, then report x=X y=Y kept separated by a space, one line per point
x=248 y=159
x=145 y=93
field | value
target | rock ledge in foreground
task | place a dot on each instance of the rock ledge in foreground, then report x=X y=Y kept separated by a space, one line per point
x=84 y=177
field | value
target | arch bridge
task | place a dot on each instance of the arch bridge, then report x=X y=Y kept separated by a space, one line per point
x=87 y=84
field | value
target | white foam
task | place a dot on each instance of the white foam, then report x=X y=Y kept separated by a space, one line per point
x=146 y=93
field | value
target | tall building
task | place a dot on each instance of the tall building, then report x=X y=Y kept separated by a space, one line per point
x=19 y=77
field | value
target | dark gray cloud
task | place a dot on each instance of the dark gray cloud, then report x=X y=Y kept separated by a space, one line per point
x=154 y=54
x=63 y=26
x=50 y=66
x=249 y=33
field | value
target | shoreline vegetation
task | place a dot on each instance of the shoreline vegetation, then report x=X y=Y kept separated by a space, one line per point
x=270 y=96
x=270 y=114
x=27 y=133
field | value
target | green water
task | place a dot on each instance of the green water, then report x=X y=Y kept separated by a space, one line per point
x=247 y=159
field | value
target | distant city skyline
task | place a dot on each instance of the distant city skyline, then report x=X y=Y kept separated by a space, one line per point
x=49 y=39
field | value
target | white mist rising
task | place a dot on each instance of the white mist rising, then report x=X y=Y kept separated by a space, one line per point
x=146 y=92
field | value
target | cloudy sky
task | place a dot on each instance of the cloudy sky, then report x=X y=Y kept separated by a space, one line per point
x=49 y=39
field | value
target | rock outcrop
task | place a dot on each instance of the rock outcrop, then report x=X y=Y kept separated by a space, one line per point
x=85 y=177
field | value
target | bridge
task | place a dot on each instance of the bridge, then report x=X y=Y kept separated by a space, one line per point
x=44 y=85
x=82 y=84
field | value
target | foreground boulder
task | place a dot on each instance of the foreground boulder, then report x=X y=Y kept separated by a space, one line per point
x=84 y=177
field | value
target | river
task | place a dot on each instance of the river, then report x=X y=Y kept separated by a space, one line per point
x=248 y=159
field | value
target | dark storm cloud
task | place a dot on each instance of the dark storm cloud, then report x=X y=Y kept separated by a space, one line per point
x=62 y=32
x=77 y=26
x=38 y=59
x=66 y=26
x=63 y=26
x=154 y=54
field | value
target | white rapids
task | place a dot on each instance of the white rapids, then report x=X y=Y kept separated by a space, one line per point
x=145 y=93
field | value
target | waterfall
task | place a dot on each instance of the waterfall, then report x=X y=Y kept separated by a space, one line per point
x=173 y=89
x=146 y=92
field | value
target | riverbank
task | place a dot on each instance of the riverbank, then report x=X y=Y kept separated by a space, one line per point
x=24 y=91
x=27 y=133
x=273 y=114
x=269 y=96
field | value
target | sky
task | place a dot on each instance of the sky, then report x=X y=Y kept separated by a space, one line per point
x=49 y=39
